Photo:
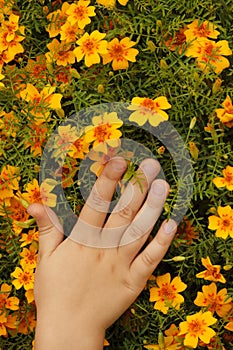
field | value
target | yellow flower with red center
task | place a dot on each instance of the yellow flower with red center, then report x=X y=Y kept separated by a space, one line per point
x=223 y=224
x=120 y=53
x=9 y=181
x=212 y=272
x=150 y=110
x=6 y=302
x=177 y=41
x=40 y=102
x=37 y=68
x=80 y=13
x=196 y=29
x=215 y=302
x=210 y=53
x=91 y=46
x=30 y=237
x=225 y=114
x=186 y=232
x=60 y=53
x=29 y=257
x=110 y=4
x=226 y=180
x=57 y=19
x=40 y=194
x=79 y=148
x=104 y=131
x=167 y=295
x=69 y=32
x=197 y=327
x=11 y=34
x=100 y=159
x=23 y=278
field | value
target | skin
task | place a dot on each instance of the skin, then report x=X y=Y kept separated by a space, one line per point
x=81 y=290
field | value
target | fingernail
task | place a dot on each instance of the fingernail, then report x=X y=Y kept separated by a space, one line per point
x=170 y=226
x=159 y=189
x=149 y=168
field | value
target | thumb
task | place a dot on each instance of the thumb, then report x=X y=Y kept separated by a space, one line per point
x=50 y=228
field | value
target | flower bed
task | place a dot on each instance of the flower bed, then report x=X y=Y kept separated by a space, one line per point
x=168 y=64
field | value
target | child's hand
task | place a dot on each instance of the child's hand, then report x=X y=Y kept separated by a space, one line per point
x=81 y=290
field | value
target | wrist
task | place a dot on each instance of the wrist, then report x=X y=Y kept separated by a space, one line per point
x=67 y=334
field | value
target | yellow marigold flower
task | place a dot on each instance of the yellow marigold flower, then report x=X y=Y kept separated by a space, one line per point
x=57 y=19
x=212 y=272
x=29 y=257
x=40 y=102
x=29 y=294
x=35 y=138
x=2 y=84
x=23 y=278
x=9 y=124
x=104 y=131
x=210 y=53
x=167 y=295
x=3 y=320
x=213 y=301
x=223 y=224
x=69 y=32
x=9 y=181
x=80 y=13
x=120 y=53
x=79 y=148
x=225 y=114
x=197 y=327
x=226 y=180
x=91 y=47
x=10 y=27
x=29 y=237
x=167 y=345
x=110 y=4
x=6 y=302
x=100 y=159
x=150 y=110
x=60 y=52
x=40 y=194
x=64 y=140
x=196 y=29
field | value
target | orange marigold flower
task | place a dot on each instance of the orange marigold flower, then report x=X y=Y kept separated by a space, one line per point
x=35 y=138
x=9 y=181
x=40 y=194
x=6 y=302
x=167 y=295
x=150 y=110
x=223 y=224
x=120 y=53
x=23 y=278
x=226 y=180
x=57 y=19
x=213 y=301
x=3 y=320
x=60 y=52
x=9 y=124
x=196 y=29
x=226 y=114
x=104 y=131
x=210 y=53
x=37 y=68
x=90 y=47
x=80 y=13
x=40 y=102
x=197 y=327
x=64 y=140
x=177 y=41
x=186 y=232
x=212 y=272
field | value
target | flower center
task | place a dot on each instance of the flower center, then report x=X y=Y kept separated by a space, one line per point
x=101 y=132
x=117 y=51
x=89 y=45
x=148 y=103
x=80 y=12
x=195 y=327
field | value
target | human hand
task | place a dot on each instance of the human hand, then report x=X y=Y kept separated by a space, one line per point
x=80 y=290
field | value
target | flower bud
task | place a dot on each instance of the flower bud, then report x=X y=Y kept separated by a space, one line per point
x=227 y=267
x=151 y=45
x=192 y=123
x=100 y=89
x=178 y=258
